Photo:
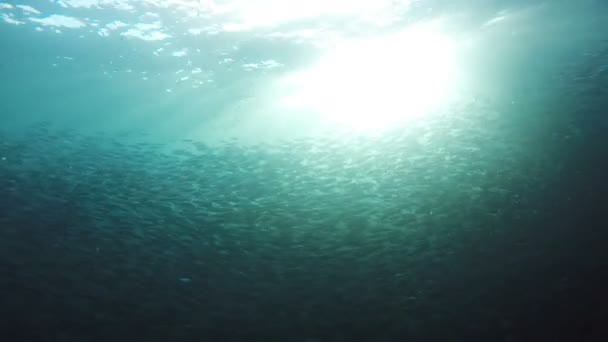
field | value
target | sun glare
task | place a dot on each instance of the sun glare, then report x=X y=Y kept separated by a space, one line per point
x=376 y=83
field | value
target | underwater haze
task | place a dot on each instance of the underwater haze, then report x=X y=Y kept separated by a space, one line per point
x=314 y=171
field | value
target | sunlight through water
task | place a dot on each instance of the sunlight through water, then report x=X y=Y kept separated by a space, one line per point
x=374 y=83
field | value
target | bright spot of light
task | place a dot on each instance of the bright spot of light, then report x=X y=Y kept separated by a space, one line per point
x=375 y=83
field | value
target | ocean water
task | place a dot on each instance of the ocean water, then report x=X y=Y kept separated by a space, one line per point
x=303 y=171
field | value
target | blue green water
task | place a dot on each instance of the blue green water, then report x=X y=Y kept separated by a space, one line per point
x=303 y=171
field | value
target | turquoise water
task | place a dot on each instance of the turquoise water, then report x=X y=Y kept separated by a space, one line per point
x=286 y=171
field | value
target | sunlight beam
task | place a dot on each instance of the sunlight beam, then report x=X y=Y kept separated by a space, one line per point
x=373 y=84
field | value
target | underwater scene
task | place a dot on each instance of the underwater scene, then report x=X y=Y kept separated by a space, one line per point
x=314 y=171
